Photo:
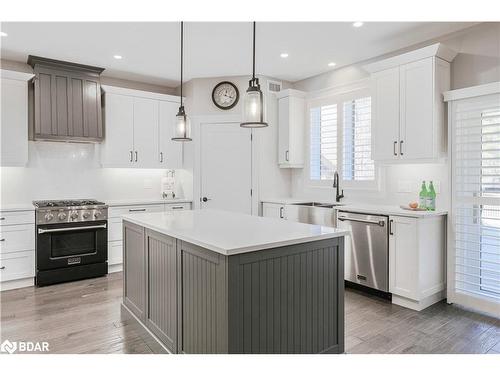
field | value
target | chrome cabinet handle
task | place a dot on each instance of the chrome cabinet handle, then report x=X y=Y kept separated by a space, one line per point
x=2 y=218
x=2 y=268
x=287 y=155
x=394 y=148
x=281 y=212
x=161 y=157
x=136 y=210
x=40 y=231
x=390 y=227
x=177 y=208
x=380 y=223
x=131 y=156
x=400 y=147
x=136 y=156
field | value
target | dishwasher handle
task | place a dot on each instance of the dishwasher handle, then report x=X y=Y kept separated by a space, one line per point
x=379 y=223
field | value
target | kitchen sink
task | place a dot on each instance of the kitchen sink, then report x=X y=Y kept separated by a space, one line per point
x=313 y=213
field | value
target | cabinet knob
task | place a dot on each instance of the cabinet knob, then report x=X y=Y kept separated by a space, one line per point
x=205 y=199
x=2 y=239
x=2 y=268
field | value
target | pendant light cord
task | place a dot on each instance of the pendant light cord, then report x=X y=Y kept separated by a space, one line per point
x=182 y=53
x=253 y=70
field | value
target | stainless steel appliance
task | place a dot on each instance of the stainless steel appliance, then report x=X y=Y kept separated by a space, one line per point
x=367 y=250
x=71 y=240
x=313 y=213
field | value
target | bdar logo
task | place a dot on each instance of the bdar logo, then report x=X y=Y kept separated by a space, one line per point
x=9 y=347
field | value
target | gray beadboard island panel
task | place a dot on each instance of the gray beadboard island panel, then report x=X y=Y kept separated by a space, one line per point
x=288 y=299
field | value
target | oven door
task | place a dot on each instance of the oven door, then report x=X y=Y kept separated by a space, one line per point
x=71 y=244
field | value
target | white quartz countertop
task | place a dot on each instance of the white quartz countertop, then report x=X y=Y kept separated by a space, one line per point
x=231 y=233
x=17 y=207
x=135 y=202
x=377 y=209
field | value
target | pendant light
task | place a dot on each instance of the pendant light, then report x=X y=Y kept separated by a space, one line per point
x=182 y=131
x=253 y=103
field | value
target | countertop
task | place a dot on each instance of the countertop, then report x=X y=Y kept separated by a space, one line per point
x=17 y=207
x=134 y=202
x=377 y=209
x=230 y=233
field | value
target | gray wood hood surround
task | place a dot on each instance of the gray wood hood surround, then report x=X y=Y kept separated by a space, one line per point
x=65 y=101
x=288 y=299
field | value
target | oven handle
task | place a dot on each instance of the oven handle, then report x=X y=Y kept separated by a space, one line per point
x=40 y=231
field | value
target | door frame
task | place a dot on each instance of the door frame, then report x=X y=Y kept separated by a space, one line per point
x=196 y=123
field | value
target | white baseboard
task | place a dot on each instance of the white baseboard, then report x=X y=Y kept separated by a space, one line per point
x=418 y=305
x=16 y=284
x=115 y=268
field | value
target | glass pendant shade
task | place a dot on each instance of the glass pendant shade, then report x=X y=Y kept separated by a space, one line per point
x=253 y=106
x=182 y=130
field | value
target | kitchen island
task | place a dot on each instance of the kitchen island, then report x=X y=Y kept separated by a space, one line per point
x=209 y=281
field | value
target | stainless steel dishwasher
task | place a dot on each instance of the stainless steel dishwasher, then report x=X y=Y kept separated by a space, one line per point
x=367 y=250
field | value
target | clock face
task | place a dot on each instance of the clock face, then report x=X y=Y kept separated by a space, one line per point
x=225 y=95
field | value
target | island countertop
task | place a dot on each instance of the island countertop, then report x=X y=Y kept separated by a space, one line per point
x=230 y=233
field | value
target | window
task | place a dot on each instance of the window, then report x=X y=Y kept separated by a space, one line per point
x=340 y=131
x=476 y=193
x=358 y=164
x=323 y=142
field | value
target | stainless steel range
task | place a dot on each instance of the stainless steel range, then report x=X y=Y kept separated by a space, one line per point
x=71 y=240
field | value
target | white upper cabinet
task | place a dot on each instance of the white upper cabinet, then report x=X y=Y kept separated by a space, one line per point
x=408 y=122
x=291 y=120
x=138 y=130
x=14 y=119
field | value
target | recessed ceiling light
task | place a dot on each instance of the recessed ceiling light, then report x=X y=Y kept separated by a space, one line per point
x=3 y=34
x=118 y=57
x=284 y=55
x=357 y=24
x=331 y=64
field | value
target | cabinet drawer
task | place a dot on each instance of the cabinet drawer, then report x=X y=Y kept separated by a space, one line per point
x=17 y=217
x=124 y=210
x=17 y=238
x=17 y=265
x=115 y=253
x=115 y=229
x=178 y=206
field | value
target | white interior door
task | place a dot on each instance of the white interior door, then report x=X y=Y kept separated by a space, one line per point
x=226 y=167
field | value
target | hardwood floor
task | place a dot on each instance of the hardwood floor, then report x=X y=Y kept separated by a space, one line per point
x=84 y=317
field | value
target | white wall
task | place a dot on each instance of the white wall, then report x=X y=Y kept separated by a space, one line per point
x=273 y=180
x=72 y=170
x=477 y=62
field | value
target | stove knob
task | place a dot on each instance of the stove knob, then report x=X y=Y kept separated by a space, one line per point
x=74 y=215
x=86 y=215
x=62 y=216
x=97 y=214
x=49 y=216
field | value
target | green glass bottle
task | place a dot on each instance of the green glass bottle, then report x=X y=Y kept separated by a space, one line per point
x=422 y=202
x=431 y=198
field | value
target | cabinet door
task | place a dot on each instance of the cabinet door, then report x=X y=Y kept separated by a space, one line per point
x=385 y=114
x=117 y=149
x=134 y=280
x=273 y=210
x=92 y=109
x=403 y=257
x=145 y=129
x=161 y=276
x=14 y=125
x=283 y=131
x=169 y=152
x=417 y=127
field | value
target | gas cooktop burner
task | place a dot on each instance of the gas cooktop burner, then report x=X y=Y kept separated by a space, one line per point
x=67 y=203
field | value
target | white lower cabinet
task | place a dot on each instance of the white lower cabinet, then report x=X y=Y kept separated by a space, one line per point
x=115 y=227
x=417 y=260
x=17 y=249
x=273 y=210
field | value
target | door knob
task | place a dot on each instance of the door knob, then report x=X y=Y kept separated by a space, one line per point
x=204 y=199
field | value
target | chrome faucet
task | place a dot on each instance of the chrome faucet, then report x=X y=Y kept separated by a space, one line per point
x=338 y=196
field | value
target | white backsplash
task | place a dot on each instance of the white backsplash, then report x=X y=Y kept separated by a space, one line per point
x=72 y=170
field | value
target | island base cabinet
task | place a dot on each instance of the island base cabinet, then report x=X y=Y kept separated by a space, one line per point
x=282 y=300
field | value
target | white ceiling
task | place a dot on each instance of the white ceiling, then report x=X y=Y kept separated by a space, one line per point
x=151 y=50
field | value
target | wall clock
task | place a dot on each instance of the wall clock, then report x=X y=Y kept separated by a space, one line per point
x=225 y=95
